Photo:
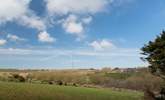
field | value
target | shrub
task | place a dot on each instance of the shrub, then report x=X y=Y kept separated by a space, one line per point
x=17 y=78
x=59 y=82
x=50 y=82
x=74 y=84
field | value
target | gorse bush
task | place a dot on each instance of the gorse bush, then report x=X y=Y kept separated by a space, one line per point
x=17 y=78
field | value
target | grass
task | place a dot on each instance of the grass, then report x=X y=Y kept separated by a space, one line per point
x=26 y=91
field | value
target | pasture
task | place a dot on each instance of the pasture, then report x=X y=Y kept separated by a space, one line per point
x=28 y=91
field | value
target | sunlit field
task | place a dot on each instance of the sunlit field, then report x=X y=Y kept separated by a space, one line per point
x=26 y=91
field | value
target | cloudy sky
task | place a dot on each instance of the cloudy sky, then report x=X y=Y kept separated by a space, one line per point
x=77 y=33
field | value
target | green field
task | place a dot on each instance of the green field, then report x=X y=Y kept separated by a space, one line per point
x=26 y=91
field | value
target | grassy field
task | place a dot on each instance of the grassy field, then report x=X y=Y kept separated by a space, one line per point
x=26 y=91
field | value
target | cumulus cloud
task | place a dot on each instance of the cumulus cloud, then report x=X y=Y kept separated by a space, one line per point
x=45 y=37
x=63 y=7
x=18 y=11
x=15 y=38
x=72 y=26
x=12 y=9
x=33 y=22
x=74 y=12
x=2 y=42
x=75 y=25
x=102 y=45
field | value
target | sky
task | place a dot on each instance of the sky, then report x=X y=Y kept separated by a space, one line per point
x=60 y=34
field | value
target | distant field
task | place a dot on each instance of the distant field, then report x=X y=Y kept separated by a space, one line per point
x=26 y=91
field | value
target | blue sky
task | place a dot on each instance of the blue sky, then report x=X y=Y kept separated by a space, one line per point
x=74 y=33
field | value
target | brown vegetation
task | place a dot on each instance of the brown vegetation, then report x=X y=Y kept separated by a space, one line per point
x=134 y=79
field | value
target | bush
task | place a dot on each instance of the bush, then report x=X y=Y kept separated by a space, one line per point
x=17 y=78
x=149 y=95
x=21 y=79
x=50 y=82
x=65 y=84
x=59 y=82
x=74 y=84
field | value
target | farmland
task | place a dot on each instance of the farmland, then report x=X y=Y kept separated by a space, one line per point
x=76 y=84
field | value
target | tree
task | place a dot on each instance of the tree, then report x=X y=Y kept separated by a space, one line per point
x=154 y=53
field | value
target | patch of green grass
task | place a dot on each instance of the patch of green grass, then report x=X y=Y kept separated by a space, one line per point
x=26 y=91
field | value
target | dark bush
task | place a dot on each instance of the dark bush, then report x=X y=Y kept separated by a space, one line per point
x=65 y=84
x=17 y=77
x=50 y=82
x=149 y=95
x=21 y=79
x=59 y=82
x=74 y=84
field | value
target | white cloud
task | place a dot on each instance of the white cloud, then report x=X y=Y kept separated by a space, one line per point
x=45 y=37
x=12 y=9
x=2 y=42
x=72 y=26
x=15 y=38
x=33 y=22
x=63 y=7
x=87 y=20
x=75 y=23
x=102 y=45
x=19 y=12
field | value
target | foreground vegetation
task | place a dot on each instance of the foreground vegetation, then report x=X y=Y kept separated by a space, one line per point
x=85 y=84
x=134 y=79
x=27 y=91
